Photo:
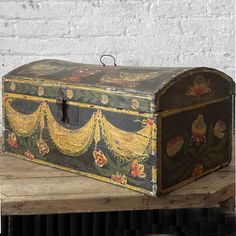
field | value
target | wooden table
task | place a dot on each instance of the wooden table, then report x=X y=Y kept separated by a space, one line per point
x=30 y=188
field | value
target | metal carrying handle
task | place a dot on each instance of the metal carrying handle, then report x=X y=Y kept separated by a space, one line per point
x=107 y=55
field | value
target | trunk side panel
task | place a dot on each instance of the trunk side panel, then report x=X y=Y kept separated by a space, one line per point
x=194 y=142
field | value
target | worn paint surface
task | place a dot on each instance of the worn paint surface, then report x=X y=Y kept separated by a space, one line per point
x=149 y=129
x=199 y=142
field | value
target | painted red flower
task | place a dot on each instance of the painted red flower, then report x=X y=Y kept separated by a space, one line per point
x=174 y=145
x=148 y=121
x=100 y=158
x=12 y=141
x=200 y=86
x=28 y=155
x=72 y=78
x=43 y=147
x=199 y=130
x=118 y=178
x=198 y=170
x=81 y=73
x=137 y=170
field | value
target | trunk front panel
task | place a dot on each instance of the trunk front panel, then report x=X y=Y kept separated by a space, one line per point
x=113 y=146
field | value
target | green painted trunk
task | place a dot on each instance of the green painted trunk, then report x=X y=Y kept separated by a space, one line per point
x=148 y=129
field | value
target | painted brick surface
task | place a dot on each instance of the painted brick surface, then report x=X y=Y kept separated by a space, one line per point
x=143 y=33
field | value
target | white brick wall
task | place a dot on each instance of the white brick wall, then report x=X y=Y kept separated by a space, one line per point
x=147 y=33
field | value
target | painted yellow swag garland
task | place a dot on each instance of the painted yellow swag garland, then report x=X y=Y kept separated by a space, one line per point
x=125 y=145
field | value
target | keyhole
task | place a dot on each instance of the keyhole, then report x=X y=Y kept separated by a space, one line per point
x=65 y=117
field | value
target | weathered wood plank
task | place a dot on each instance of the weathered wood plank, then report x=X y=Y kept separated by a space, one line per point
x=61 y=186
x=102 y=202
x=230 y=168
x=30 y=188
x=228 y=205
x=55 y=195
x=13 y=167
x=222 y=193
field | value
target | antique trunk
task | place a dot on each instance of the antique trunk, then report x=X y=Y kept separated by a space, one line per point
x=148 y=129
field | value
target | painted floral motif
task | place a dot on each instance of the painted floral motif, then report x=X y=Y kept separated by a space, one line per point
x=82 y=72
x=174 y=145
x=198 y=131
x=69 y=93
x=124 y=79
x=12 y=140
x=42 y=70
x=118 y=178
x=200 y=86
x=107 y=79
x=12 y=86
x=200 y=147
x=154 y=174
x=40 y=91
x=137 y=170
x=198 y=170
x=28 y=155
x=148 y=121
x=100 y=158
x=104 y=99
x=219 y=129
x=71 y=78
x=43 y=147
x=135 y=104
